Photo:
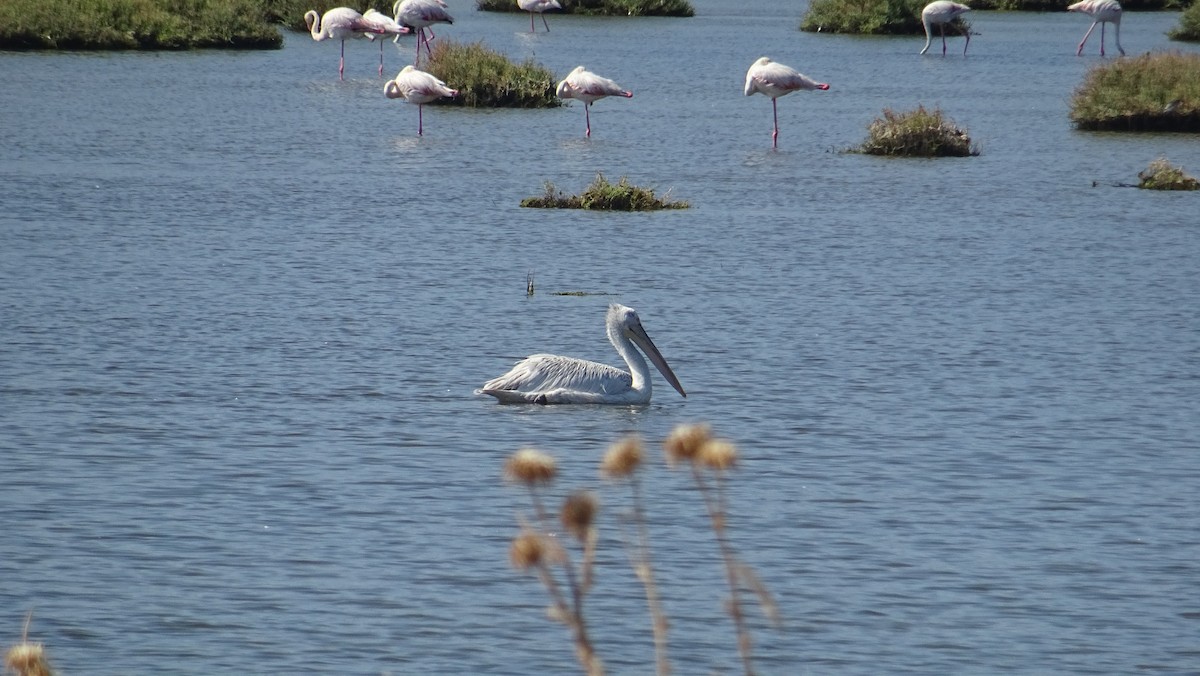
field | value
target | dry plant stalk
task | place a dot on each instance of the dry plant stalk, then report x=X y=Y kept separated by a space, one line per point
x=622 y=462
x=694 y=445
x=25 y=658
x=536 y=548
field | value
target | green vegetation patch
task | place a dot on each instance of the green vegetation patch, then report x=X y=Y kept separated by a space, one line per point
x=1162 y=175
x=1152 y=92
x=868 y=17
x=916 y=133
x=602 y=7
x=1188 y=29
x=137 y=24
x=604 y=196
x=485 y=78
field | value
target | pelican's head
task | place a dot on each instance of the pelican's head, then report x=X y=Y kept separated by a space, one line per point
x=624 y=321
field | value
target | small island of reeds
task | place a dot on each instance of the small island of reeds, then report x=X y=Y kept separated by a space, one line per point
x=1162 y=175
x=1188 y=29
x=486 y=78
x=1152 y=92
x=602 y=195
x=602 y=7
x=916 y=133
x=139 y=24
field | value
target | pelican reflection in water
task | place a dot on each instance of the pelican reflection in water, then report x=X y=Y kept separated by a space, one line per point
x=551 y=379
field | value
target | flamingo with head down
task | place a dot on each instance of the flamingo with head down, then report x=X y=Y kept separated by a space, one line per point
x=419 y=87
x=421 y=15
x=1102 y=12
x=775 y=80
x=943 y=13
x=387 y=26
x=586 y=86
x=539 y=6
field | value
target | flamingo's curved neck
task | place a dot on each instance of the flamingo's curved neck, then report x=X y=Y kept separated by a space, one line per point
x=316 y=29
x=638 y=369
x=928 y=35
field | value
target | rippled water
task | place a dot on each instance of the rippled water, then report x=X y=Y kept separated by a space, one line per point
x=244 y=308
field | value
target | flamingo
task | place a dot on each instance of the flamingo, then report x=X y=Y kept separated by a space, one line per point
x=551 y=379
x=774 y=80
x=421 y=14
x=942 y=12
x=1102 y=12
x=338 y=23
x=387 y=26
x=539 y=6
x=588 y=87
x=419 y=87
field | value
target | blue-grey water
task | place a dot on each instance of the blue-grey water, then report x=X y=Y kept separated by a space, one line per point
x=243 y=307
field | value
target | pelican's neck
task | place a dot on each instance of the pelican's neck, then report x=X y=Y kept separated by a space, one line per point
x=638 y=370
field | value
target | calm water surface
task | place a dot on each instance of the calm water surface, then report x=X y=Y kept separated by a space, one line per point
x=243 y=309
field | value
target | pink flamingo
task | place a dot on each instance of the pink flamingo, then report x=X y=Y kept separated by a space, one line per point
x=387 y=26
x=775 y=80
x=338 y=23
x=1102 y=12
x=942 y=12
x=422 y=14
x=588 y=87
x=539 y=6
x=419 y=87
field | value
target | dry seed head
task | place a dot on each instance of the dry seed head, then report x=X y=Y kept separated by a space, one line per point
x=527 y=550
x=685 y=441
x=717 y=454
x=623 y=458
x=578 y=512
x=530 y=467
x=27 y=659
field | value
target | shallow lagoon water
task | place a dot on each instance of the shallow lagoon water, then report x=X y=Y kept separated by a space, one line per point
x=245 y=306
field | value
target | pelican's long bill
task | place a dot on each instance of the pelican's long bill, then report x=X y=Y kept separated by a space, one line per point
x=639 y=336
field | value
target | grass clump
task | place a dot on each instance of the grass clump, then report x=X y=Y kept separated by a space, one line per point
x=1188 y=29
x=916 y=133
x=868 y=17
x=602 y=7
x=137 y=24
x=485 y=78
x=1152 y=92
x=542 y=546
x=602 y=195
x=1162 y=175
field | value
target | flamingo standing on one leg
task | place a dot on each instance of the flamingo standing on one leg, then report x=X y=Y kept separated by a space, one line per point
x=386 y=25
x=419 y=87
x=421 y=14
x=539 y=6
x=338 y=23
x=588 y=87
x=775 y=80
x=943 y=12
x=1102 y=12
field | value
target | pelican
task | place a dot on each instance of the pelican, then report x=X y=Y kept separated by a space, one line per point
x=551 y=379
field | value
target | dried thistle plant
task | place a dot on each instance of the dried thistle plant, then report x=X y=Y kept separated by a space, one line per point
x=536 y=548
x=621 y=463
x=695 y=446
x=25 y=658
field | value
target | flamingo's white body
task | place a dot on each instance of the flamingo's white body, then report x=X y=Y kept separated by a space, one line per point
x=774 y=80
x=1102 y=12
x=421 y=14
x=386 y=25
x=943 y=12
x=551 y=379
x=338 y=23
x=419 y=87
x=586 y=86
x=539 y=6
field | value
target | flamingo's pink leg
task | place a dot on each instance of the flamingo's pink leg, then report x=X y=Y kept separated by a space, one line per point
x=775 y=116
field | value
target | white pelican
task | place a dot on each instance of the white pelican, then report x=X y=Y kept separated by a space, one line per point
x=774 y=80
x=942 y=12
x=1102 y=11
x=551 y=379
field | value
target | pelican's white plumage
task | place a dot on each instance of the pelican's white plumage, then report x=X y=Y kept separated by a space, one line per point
x=552 y=379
